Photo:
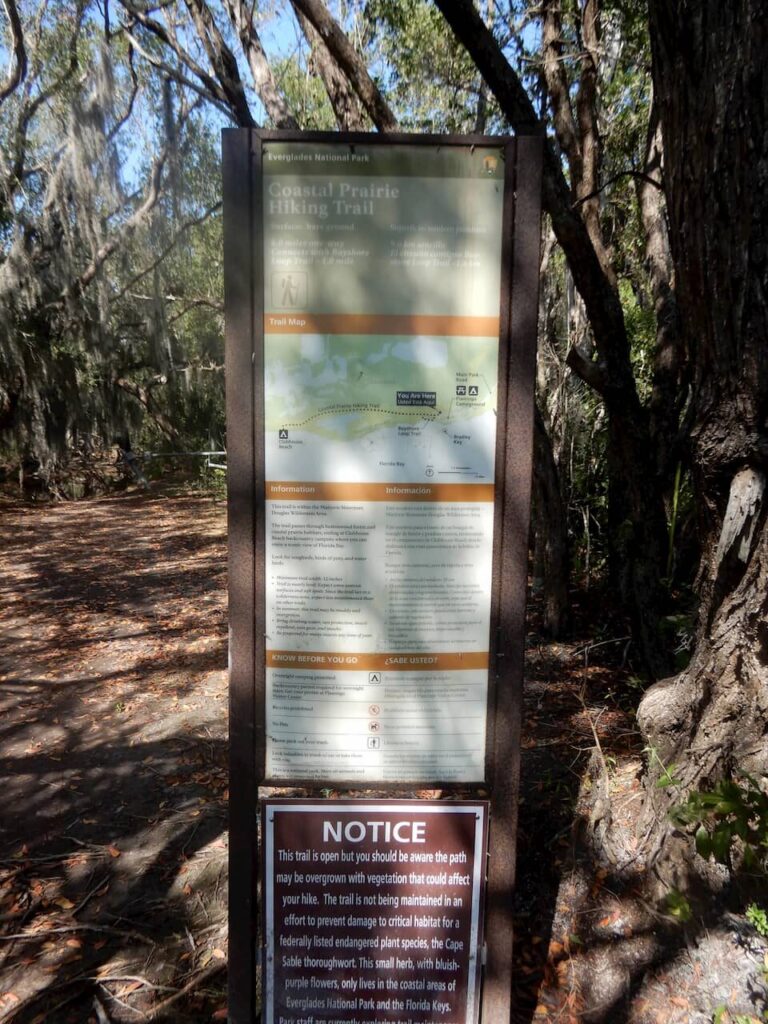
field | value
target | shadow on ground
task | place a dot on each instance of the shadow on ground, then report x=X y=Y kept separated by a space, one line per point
x=113 y=816
x=592 y=942
x=113 y=696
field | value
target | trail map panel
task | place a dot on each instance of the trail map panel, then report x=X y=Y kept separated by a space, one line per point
x=381 y=349
x=373 y=911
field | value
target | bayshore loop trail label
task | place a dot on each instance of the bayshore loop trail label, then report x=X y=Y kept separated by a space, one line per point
x=372 y=911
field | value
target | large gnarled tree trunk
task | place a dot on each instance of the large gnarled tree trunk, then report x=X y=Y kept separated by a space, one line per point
x=711 y=82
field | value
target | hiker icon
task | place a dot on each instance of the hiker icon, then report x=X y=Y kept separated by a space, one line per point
x=290 y=291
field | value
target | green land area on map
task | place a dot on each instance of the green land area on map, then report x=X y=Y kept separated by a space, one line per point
x=343 y=387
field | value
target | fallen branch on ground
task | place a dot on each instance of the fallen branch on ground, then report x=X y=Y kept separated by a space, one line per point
x=205 y=975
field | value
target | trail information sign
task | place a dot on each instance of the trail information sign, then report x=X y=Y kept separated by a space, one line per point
x=382 y=274
x=373 y=911
x=381 y=302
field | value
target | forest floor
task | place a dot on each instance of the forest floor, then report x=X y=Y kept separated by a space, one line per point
x=113 y=817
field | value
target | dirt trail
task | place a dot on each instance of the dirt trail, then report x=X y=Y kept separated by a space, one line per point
x=113 y=811
x=113 y=756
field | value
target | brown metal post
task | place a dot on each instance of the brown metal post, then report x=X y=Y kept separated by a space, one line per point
x=244 y=300
x=241 y=510
x=516 y=443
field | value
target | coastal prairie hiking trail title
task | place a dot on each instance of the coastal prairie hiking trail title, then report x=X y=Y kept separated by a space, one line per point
x=320 y=199
x=376 y=911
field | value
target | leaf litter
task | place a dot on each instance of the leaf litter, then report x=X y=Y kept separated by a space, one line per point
x=113 y=842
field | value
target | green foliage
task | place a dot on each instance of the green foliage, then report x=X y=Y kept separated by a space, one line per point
x=732 y=811
x=431 y=82
x=641 y=331
x=758 y=918
x=306 y=95
x=723 y=1015
x=678 y=906
x=667 y=772
x=213 y=481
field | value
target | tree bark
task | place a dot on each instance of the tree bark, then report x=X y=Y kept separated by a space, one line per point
x=17 y=68
x=222 y=60
x=342 y=97
x=349 y=60
x=711 y=85
x=135 y=390
x=241 y=16
x=550 y=534
x=638 y=523
x=669 y=363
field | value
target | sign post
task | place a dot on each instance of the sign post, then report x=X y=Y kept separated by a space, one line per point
x=381 y=296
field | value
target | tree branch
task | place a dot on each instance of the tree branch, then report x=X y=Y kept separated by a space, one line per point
x=639 y=176
x=17 y=67
x=599 y=293
x=589 y=371
x=210 y=91
x=106 y=250
x=589 y=135
x=182 y=230
x=154 y=192
x=142 y=395
x=30 y=107
x=274 y=102
x=349 y=61
x=217 y=307
x=343 y=99
x=556 y=82
x=222 y=60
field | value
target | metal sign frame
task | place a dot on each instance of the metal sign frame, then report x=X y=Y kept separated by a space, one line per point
x=244 y=305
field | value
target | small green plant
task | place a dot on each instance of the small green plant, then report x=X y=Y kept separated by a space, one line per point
x=667 y=776
x=722 y=1015
x=758 y=918
x=678 y=906
x=120 y=707
x=732 y=810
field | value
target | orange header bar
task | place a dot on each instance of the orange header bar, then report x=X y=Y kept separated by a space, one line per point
x=330 y=661
x=380 y=323
x=289 y=490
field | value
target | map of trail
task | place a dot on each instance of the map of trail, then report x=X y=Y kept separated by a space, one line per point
x=345 y=387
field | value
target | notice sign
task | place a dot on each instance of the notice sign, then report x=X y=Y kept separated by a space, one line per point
x=382 y=271
x=372 y=911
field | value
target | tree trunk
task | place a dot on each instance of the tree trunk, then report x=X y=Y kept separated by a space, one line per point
x=638 y=524
x=342 y=97
x=669 y=359
x=551 y=569
x=711 y=84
